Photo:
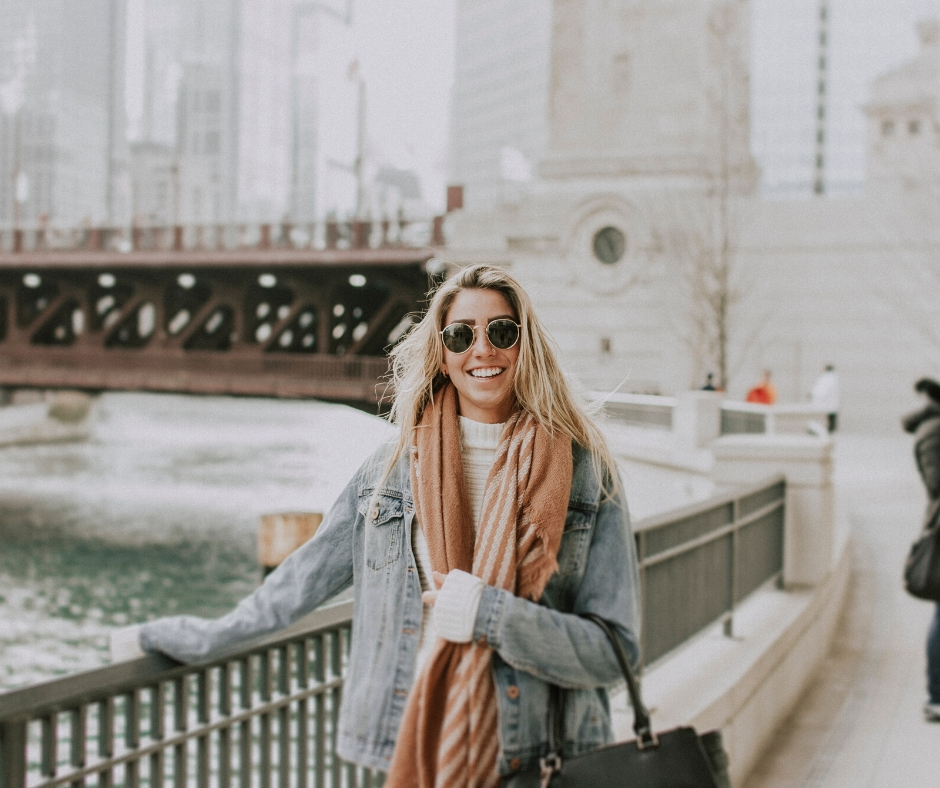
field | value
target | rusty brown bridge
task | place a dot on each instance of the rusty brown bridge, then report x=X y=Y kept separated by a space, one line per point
x=267 y=310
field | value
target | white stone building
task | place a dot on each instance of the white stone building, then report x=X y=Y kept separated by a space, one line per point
x=643 y=239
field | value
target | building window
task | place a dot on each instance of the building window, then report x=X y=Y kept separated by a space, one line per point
x=887 y=128
x=609 y=245
x=913 y=127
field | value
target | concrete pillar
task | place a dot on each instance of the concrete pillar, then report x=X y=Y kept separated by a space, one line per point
x=806 y=461
x=696 y=420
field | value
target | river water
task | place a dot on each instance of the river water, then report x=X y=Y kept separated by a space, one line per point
x=158 y=513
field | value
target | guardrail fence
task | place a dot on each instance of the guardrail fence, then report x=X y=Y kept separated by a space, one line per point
x=263 y=718
x=640 y=410
x=266 y=717
x=695 y=567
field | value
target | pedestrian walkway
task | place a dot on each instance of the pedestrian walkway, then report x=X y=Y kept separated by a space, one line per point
x=860 y=724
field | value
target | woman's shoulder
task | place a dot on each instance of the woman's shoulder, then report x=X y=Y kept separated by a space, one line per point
x=375 y=470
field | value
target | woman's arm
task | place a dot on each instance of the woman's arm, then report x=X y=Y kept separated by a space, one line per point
x=308 y=577
x=563 y=648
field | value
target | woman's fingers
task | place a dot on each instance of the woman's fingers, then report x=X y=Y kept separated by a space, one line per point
x=429 y=597
x=439 y=578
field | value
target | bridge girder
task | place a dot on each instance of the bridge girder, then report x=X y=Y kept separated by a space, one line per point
x=272 y=322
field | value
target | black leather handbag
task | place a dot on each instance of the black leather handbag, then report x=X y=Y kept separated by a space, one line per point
x=678 y=758
x=922 y=567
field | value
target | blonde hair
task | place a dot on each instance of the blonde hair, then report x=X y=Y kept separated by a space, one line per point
x=539 y=385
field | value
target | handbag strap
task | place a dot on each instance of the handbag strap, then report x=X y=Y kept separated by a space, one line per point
x=641 y=716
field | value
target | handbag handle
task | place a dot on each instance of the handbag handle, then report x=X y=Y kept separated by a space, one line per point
x=641 y=716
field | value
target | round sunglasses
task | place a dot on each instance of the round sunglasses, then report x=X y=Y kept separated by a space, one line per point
x=501 y=333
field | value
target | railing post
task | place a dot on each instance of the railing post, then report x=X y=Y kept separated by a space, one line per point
x=13 y=754
x=810 y=544
x=696 y=419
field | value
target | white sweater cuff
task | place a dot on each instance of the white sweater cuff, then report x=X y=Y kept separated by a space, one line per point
x=125 y=644
x=455 y=611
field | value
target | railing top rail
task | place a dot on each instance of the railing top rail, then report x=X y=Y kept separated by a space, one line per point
x=224 y=258
x=663 y=518
x=633 y=399
x=747 y=407
x=69 y=692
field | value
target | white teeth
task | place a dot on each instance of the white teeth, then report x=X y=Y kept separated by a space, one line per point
x=485 y=373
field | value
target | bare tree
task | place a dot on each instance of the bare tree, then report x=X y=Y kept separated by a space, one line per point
x=696 y=232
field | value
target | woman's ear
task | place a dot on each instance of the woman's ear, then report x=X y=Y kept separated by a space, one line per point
x=444 y=370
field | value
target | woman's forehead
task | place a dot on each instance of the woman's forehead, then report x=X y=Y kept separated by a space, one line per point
x=479 y=305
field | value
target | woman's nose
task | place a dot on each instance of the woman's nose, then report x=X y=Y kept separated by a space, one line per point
x=481 y=343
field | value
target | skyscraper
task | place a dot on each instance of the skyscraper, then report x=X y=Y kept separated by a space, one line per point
x=188 y=123
x=62 y=138
x=500 y=96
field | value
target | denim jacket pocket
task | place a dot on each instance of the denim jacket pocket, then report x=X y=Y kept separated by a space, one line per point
x=572 y=554
x=384 y=523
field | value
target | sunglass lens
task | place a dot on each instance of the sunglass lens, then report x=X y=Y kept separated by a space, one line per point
x=458 y=338
x=502 y=334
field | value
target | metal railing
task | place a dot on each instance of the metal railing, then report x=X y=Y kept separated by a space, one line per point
x=266 y=717
x=323 y=235
x=655 y=412
x=640 y=410
x=742 y=419
x=697 y=564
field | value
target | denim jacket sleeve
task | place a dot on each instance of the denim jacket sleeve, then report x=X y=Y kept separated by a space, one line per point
x=563 y=648
x=307 y=578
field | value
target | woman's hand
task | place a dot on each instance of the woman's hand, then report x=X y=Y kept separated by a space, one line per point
x=430 y=597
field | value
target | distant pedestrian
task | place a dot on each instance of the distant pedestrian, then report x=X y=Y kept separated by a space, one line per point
x=825 y=394
x=709 y=382
x=925 y=426
x=764 y=393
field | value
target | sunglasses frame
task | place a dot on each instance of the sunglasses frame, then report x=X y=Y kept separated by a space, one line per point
x=486 y=329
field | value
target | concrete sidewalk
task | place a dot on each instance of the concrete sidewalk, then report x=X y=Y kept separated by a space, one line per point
x=860 y=724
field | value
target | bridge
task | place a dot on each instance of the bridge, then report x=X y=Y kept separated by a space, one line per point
x=272 y=310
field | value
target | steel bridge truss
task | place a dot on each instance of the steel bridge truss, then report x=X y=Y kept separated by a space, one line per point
x=268 y=323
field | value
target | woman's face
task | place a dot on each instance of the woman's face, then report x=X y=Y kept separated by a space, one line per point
x=483 y=375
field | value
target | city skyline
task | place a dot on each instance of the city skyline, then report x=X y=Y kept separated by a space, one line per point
x=292 y=75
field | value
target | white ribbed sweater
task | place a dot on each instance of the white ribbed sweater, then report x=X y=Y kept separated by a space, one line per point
x=478 y=444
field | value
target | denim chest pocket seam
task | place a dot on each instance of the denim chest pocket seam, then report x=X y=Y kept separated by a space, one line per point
x=572 y=553
x=383 y=529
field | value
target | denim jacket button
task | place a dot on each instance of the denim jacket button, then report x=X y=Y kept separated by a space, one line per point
x=375 y=513
x=512 y=691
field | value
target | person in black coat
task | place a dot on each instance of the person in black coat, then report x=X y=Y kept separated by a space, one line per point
x=924 y=424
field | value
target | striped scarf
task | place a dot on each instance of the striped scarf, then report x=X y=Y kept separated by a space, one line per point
x=449 y=736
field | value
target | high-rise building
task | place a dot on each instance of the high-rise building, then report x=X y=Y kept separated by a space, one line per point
x=500 y=96
x=63 y=152
x=190 y=110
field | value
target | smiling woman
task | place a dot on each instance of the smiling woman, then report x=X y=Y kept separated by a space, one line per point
x=499 y=509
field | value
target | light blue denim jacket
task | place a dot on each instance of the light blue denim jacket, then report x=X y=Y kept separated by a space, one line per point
x=534 y=643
